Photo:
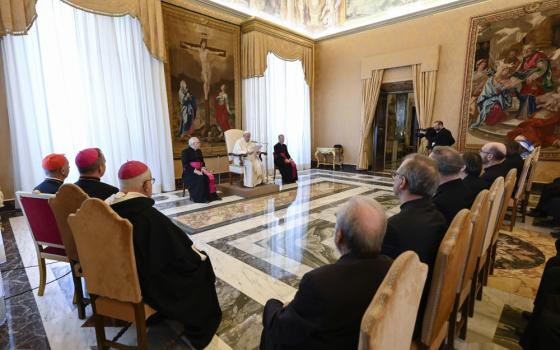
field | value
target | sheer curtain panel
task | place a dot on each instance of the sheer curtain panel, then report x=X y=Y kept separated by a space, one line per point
x=279 y=103
x=82 y=80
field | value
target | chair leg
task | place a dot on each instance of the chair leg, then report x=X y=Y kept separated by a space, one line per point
x=513 y=215
x=140 y=319
x=42 y=277
x=523 y=209
x=464 y=318
x=492 y=260
x=452 y=325
x=79 y=295
x=99 y=327
x=183 y=190
x=231 y=178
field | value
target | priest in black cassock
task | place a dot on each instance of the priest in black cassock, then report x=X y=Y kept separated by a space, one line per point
x=284 y=162
x=176 y=279
x=56 y=169
x=197 y=179
x=91 y=165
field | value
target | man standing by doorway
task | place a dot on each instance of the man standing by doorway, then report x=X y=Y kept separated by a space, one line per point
x=437 y=135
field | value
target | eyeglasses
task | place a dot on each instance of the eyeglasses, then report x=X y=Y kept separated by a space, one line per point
x=483 y=151
x=152 y=180
x=395 y=174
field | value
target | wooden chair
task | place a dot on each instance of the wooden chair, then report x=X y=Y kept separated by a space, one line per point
x=68 y=200
x=529 y=184
x=388 y=322
x=104 y=242
x=495 y=197
x=231 y=136
x=465 y=291
x=448 y=271
x=517 y=198
x=44 y=230
x=508 y=190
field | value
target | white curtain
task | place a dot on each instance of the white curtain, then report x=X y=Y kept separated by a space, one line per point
x=81 y=80
x=279 y=103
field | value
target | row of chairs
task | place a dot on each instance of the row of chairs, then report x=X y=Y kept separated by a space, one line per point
x=465 y=258
x=87 y=233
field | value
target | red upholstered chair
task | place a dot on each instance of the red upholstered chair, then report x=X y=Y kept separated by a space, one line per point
x=44 y=230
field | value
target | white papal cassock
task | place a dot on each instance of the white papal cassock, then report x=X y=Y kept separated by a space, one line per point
x=254 y=168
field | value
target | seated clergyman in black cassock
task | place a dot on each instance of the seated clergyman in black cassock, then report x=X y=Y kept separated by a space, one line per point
x=176 y=279
x=419 y=226
x=328 y=307
x=197 y=179
x=56 y=169
x=284 y=162
x=91 y=165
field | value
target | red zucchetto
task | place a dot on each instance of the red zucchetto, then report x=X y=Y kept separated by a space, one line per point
x=131 y=169
x=87 y=157
x=54 y=161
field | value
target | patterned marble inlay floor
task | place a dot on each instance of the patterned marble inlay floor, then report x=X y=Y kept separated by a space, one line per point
x=260 y=248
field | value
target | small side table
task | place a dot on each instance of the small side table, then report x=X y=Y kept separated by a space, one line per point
x=335 y=152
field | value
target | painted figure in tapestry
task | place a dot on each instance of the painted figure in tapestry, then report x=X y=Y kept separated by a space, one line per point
x=188 y=109
x=515 y=83
x=222 y=111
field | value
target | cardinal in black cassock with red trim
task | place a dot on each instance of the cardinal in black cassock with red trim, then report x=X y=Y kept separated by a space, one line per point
x=176 y=279
x=284 y=162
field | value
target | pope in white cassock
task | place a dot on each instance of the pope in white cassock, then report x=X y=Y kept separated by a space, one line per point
x=254 y=168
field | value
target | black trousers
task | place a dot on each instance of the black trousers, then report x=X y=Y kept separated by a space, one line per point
x=550 y=191
x=271 y=307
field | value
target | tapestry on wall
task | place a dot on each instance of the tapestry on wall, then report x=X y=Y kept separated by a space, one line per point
x=512 y=80
x=203 y=78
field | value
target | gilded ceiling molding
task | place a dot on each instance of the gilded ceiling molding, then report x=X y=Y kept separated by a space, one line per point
x=211 y=9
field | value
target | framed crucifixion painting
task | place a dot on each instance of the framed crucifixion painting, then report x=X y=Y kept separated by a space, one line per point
x=512 y=79
x=203 y=78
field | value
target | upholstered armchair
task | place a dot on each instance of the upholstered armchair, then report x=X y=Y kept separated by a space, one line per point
x=231 y=136
x=388 y=322
x=68 y=200
x=104 y=243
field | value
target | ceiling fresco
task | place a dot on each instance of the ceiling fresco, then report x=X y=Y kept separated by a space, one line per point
x=320 y=18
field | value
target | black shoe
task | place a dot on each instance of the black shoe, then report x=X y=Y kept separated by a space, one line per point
x=535 y=213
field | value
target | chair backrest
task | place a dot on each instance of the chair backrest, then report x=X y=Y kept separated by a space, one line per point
x=68 y=200
x=509 y=184
x=532 y=171
x=523 y=177
x=479 y=219
x=39 y=215
x=389 y=320
x=104 y=243
x=447 y=273
x=231 y=136
x=495 y=198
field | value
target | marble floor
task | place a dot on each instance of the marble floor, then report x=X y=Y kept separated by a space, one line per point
x=260 y=248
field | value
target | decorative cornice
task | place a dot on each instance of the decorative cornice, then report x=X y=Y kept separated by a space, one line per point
x=272 y=29
x=211 y=9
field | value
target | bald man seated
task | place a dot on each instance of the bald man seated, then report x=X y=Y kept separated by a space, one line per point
x=56 y=169
x=176 y=279
x=328 y=307
x=493 y=155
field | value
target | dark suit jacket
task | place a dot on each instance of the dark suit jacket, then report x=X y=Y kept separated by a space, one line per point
x=50 y=185
x=419 y=227
x=514 y=161
x=451 y=197
x=95 y=188
x=444 y=138
x=328 y=307
x=493 y=172
x=474 y=184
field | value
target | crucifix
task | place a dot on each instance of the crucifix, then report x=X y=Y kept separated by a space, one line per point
x=206 y=74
